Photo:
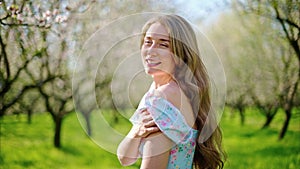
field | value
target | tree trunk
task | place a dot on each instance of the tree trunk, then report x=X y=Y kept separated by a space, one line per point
x=242 y=115
x=289 y=105
x=58 y=124
x=88 y=123
x=29 y=117
x=288 y=114
x=269 y=119
x=115 y=114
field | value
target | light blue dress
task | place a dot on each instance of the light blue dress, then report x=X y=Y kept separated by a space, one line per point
x=172 y=123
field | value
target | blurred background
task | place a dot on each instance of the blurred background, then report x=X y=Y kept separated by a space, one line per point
x=42 y=42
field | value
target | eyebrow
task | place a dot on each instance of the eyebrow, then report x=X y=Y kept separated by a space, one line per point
x=164 y=40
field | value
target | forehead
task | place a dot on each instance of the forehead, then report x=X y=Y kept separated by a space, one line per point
x=157 y=30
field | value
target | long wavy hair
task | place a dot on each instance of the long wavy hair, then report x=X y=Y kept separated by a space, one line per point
x=192 y=77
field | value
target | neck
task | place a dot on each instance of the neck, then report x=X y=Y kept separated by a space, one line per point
x=161 y=80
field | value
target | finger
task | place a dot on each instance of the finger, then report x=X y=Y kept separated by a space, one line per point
x=146 y=119
x=145 y=111
x=152 y=129
x=150 y=124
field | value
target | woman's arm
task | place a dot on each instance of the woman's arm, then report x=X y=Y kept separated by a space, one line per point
x=156 y=151
x=128 y=150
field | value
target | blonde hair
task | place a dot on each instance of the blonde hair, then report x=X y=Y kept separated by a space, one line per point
x=192 y=77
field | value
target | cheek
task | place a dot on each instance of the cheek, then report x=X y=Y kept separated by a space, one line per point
x=165 y=54
x=143 y=53
x=169 y=57
x=169 y=61
x=172 y=64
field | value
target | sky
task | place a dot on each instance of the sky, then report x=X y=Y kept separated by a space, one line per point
x=204 y=9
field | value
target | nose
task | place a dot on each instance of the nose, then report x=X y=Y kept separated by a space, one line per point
x=152 y=50
x=149 y=57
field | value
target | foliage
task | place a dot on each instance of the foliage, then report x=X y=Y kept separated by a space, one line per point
x=284 y=16
x=39 y=40
x=34 y=58
x=261 y=65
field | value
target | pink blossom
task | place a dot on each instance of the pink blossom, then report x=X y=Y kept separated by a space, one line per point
x=55 y=11
x=60 y=19
x=20 y=17
x=47 y=15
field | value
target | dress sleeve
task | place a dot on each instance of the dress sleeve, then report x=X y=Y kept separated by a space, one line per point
x=167 y=117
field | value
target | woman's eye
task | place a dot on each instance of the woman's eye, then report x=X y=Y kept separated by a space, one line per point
x=164 y=45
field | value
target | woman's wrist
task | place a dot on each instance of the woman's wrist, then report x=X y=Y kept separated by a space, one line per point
x=133 y=133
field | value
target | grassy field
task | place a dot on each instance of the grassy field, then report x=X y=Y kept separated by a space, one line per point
x=30 y=145
x=250 y=147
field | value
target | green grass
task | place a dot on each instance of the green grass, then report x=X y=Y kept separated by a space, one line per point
x=249 y=146
x=30 y=145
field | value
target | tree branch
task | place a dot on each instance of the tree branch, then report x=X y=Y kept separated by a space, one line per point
x=4 y=54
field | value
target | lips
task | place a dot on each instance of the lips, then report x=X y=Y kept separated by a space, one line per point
x=150 y=63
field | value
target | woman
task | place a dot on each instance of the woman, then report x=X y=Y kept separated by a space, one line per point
x=168 y=122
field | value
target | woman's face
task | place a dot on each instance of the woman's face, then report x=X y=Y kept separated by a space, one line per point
x=156 y=51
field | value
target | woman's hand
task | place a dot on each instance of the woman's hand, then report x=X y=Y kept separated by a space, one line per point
x=128 y=150
x=146 y=127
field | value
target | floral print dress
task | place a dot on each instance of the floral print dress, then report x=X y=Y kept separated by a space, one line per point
x=172 y=123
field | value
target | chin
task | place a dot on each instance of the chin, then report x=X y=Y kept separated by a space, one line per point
x=150 y=72
x=154 y=72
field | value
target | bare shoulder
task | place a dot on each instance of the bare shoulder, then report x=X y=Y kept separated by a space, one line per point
x=171 y=92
